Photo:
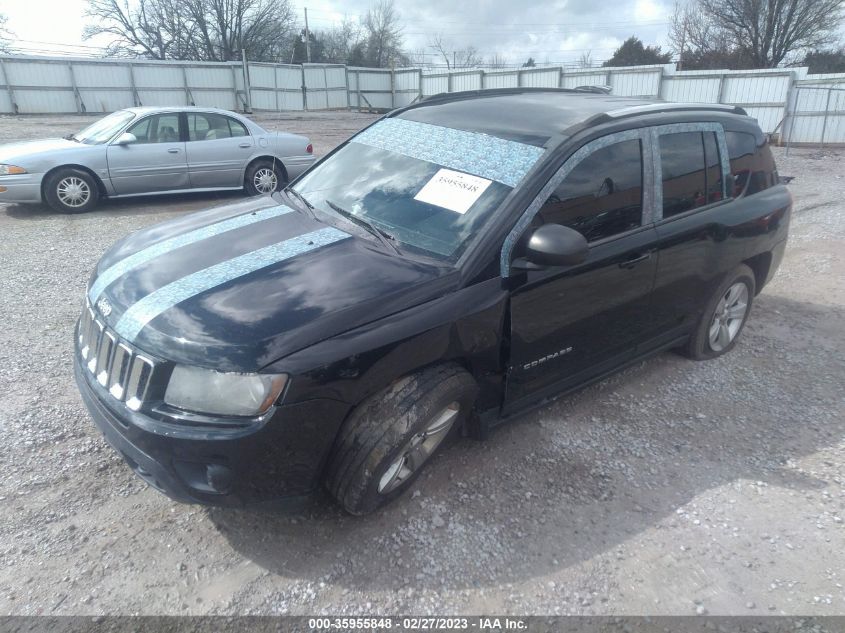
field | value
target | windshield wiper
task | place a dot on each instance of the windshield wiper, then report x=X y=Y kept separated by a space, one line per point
x=301 y=198
x=383 y=236
x=71 y=137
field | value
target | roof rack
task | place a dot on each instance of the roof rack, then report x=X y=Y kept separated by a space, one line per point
x=464 y=94
x=668 y=106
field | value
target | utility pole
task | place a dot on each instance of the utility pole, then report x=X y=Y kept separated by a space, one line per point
x=307 y=38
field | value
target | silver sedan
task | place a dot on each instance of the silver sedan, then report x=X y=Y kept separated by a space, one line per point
x=151 y=150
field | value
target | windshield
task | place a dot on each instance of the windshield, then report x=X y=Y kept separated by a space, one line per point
x=430 y=202
x=104 y=129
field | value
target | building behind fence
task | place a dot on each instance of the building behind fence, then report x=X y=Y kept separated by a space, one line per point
x=800 y=108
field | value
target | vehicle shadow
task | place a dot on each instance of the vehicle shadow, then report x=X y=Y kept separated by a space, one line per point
x=579 y=477
x=121 y=207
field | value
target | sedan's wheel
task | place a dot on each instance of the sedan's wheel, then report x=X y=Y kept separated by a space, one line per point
x=388 y=438
x=264 y=178
x=71 y=191
x=724 y=317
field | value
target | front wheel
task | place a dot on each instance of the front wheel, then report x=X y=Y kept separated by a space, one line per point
x=264 y=177
x=724 y=317
x=391 y=436
x=71 y=191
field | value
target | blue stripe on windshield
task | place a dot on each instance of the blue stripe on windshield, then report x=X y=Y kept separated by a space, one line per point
x=135 y=318
x=479 y=154
x=112 y=273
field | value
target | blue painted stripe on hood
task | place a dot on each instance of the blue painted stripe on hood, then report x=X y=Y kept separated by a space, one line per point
x=479 y=154
x=116 y=271
x=138 y=315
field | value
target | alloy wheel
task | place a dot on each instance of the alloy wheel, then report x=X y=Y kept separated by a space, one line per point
x=418 y=449
x=728 y=318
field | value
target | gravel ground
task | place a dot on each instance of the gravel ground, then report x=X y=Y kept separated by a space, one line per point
x=674 y=487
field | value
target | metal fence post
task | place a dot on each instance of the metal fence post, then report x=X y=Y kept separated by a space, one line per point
x=721 y=97
x=136 y=99
x=276 y=85
x=9 y=89
x=826 y=111
x=247 y=87
x=80 y=106
x=189 y=98
x=304 y=89
x=392 y=88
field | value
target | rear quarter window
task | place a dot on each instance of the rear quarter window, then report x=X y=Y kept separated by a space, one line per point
x=752 y=164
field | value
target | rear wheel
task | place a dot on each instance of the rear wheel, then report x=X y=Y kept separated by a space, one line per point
x=264 y=177
x=391 y=436
x=724 y=317
x=71 y=191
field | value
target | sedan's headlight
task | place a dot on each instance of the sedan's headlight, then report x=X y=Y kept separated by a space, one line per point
x=208 y=391
x=8 y=170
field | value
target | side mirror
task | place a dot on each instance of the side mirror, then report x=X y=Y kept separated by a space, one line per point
x=554 y=245
x=126 y=138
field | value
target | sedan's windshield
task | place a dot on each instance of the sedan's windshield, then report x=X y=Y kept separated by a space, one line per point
x=104 y=129
x=428 y=200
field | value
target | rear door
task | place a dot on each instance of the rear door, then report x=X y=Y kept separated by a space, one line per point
x=694 y=243
x=571 y=322
x=155 y=161
x=218 y=147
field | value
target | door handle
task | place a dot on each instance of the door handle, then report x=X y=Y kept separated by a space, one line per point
x=173 y=150
x=630 y=263
x=245 y=145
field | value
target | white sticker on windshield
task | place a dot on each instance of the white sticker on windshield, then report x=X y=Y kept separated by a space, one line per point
x=453 y=190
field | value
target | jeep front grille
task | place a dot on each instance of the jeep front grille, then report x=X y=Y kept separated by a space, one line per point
x=120 y=369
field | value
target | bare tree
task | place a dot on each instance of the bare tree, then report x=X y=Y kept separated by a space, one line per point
x=753 y=33
x=5 y=34
x=586 y=60
x=497 y=61
x=453 y=57
x=340 y=41
x=384 y=35
x=212 y=30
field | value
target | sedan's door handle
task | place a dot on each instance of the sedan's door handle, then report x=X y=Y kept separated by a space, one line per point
x=630 y=263
x=245 y=145
x=173 y=150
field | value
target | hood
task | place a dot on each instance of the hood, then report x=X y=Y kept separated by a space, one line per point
x=241 y=286
x=32 y=149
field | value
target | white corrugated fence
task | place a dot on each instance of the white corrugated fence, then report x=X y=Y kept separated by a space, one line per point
x=801 y=108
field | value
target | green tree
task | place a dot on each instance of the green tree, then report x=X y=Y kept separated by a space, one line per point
x=530 y=63
x=634 y=53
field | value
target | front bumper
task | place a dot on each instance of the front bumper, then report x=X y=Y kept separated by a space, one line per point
x=21 y=188
x=279 y=462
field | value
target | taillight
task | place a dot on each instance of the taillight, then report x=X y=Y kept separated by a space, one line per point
x=310 y=148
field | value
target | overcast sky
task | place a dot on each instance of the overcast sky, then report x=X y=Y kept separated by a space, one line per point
x=554 y=31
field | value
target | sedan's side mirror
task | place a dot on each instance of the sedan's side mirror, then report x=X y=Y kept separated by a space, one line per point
x=126 y=139
x=553 y=245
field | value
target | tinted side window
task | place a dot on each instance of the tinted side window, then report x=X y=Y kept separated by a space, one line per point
x=752 y=165
x=602 y=195
x=684 y=182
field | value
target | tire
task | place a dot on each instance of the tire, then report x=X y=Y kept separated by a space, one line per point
x=716 y=332
x=259 y=178
x=390 y=436
x=71 y=190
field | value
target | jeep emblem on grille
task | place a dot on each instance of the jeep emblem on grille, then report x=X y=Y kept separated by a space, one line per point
x=104 y=306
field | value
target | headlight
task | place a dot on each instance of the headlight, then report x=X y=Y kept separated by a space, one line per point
x=7 y=170
x=207 y=391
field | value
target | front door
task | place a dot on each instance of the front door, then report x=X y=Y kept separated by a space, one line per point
x=155 y=161
x=571 y=323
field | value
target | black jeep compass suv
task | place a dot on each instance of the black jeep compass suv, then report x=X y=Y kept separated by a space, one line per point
x=451 y=265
